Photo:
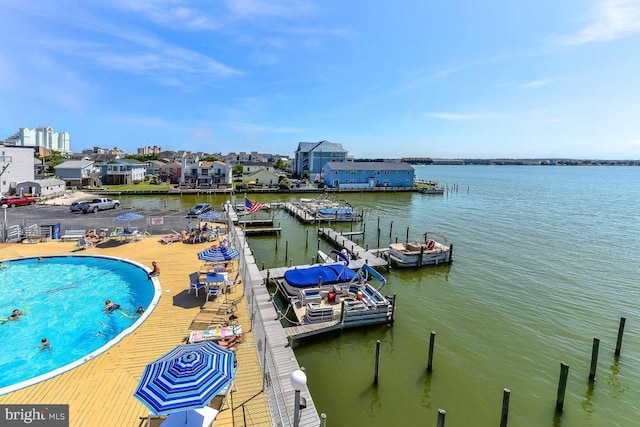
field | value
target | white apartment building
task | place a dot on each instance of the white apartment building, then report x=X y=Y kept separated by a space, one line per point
x=41 y=137
x=16 y=166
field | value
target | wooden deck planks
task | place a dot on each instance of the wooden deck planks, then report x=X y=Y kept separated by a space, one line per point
x=101 y=390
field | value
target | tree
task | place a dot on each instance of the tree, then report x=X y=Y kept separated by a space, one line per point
x=53 y=160
x=279 y=164
x=284 y=183
x=237 y=170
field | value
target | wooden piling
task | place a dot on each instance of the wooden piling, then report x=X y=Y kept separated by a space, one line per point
x=594 y=358
x=306 y=240
x=407 y=238
x=441 y=415
x=318 y=244
x=620 y=332
x=290 y=262
x=276 y=239
x=506 y=393
x=432 y=344
x=323 y=419
x=390 y=229
x=375 y=378
x=286 y=249
x=421 y=255
x=378 y=244
x=562 y=386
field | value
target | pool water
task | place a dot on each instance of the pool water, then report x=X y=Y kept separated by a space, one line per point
x=63 y=297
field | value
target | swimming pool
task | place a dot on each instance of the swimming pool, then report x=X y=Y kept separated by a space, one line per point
x=63 y=297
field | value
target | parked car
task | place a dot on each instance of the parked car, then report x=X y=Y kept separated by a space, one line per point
x=100 y=204
x=13 y=201
x=78 y=206
x=198 y=209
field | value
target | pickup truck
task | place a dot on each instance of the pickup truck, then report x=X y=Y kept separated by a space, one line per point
x=100 y=204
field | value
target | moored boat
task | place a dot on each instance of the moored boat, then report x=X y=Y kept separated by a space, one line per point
x=431 y=187
x=432 y=249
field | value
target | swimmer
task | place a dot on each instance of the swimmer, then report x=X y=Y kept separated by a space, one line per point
x=45 y=344
x=2 y=265
x=110 y=306
x=15 y=315
x=39 y=259
x=155 y=272
x=140 y=310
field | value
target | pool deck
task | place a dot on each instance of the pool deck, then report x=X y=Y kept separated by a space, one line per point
x=100 y=392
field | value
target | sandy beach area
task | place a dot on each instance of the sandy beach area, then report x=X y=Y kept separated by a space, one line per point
x=69 y=197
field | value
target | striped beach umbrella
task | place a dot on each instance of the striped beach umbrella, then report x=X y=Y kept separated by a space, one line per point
x=186 y=378
x=218 y=254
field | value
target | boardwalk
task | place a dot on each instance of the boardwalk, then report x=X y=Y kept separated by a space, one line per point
x=100 y=392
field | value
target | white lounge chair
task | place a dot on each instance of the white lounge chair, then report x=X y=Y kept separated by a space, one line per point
x=73 y=235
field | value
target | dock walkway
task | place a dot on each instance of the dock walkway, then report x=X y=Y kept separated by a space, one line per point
x=361 y=255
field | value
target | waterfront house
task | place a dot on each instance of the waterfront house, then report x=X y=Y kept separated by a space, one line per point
x=312 y=156
x=16 y=165
x=368 y=174
x=207 y=174
x=122 y=171
x=78 y=173
x=261 y=177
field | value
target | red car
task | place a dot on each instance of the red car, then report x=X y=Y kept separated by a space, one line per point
x=13 y=201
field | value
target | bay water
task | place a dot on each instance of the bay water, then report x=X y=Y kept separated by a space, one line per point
x=545 y=259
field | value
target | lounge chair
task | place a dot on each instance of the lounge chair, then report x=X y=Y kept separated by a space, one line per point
x=84 y=243
x=73 y=235
x=117 y=232
x=203 y=320
x=171 y=238
x=201 y=416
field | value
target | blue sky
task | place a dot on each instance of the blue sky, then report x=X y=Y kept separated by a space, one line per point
x=413 y=78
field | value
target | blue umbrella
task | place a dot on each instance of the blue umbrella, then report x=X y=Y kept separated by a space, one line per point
x=210 y=216
x=186 y=378
x=129 y=216
x=218 y=254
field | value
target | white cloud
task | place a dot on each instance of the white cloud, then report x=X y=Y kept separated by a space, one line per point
x=613 y=19
x=461 y=117
x=538 y=83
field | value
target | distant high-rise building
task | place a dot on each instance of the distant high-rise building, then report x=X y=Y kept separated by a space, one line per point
x=148 y=150
x=43 y=136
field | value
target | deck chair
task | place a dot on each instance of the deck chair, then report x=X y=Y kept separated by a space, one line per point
x=226 y=392
x=205 y=319
x=194 y=283
x=117 y=231
x=232 y=284
x=216 y=291
x=84 y=243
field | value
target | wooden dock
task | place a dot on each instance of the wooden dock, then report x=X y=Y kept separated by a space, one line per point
x=310 y=329
x=265 y=230
x=255 y=222
x=361 y=255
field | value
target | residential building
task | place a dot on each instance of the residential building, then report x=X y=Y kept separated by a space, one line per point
x=122 y=171
x=170 y=173
x=207 y=175
x=261 y=177
x=368 y=174
x=153 y=167
x=79 y=173
x=43 y=136
x=250 y=167
x=312 y=156
x=42 y=187
x=148 y=150
x=16 y=166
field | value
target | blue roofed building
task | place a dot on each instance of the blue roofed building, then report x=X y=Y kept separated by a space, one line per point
x=368 y=174
x=312 y=156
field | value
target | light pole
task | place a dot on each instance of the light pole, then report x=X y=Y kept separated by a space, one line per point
x=4 y=227
x=298 y=381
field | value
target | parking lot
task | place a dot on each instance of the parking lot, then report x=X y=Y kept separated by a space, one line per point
x=156 y=221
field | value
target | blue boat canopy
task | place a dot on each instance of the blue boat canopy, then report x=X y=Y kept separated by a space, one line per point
x=309 y=277
x=340 y=211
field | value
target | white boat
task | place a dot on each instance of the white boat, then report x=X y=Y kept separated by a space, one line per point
x=327 y=208
x=431 y=187
x=432 y=249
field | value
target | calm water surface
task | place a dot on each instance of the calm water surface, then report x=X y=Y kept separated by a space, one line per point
x=545 y=259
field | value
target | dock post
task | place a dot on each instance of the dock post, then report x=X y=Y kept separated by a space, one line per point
x=343 y=312
x=390 y=229
x=421 y=255
x=351 y=224
x=620 y=332
x=375 y=378
x=451 y=252
x=504 y=416
x=267 y=279
x=364 y=229
x=393 y=310
x=263 y=265
x=306 y=240
x=407 y=238
x=318 y=244
x=441 y=415
x=594 y=358
x=276 y=239
x=562 y=386
x=378 y=223
x=286 y=250
x=290 y=262
x=432 y=344
x=323 y=419
x=378 y=237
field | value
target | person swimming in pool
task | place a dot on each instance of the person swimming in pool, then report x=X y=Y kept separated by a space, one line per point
x=140 y=310
x=15 y=315
x=110 y=306
x=45 y=344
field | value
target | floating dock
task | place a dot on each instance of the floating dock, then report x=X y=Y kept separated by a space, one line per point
x=360 y=254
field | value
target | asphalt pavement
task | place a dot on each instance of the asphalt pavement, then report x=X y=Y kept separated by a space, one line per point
x=156 y=221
